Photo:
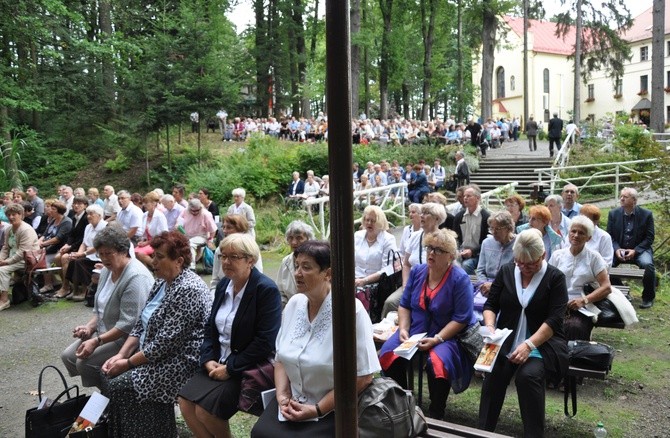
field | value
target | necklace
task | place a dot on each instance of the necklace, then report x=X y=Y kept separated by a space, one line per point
x=373 y=240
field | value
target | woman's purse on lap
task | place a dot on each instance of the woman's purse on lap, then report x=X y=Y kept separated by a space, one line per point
x=54 y=420
x=254 y=382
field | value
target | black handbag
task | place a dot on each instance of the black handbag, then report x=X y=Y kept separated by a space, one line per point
x=608 y=311
x=471 y=341
x=386 y=285
x=590 y=355
x=55 y=421
x=254 y=382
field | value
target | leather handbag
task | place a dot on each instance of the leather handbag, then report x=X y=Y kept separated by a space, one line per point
x=590 y=355
x=254 y=382
x=471 y=341
x=387 y=284
x=55 y=421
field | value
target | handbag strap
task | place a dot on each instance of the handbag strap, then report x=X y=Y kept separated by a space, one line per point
x=62 y=378
x=67 y=391
x=570 y=389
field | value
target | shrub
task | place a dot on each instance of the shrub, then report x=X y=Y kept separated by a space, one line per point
x=120 y=163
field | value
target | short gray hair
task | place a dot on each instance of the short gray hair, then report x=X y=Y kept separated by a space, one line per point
x=556 y=198
x=194 y=204
x=584 y=222
x=112 y=237
x=167 y=198
x=297 y=228
x=631 y=191
x=239 y=191
x=123 y=194
x=528 y=246
x=95 y=208
x=436 y=210
x=502 y=218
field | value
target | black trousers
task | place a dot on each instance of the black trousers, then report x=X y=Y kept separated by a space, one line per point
x=530 y=387
x=553 y=141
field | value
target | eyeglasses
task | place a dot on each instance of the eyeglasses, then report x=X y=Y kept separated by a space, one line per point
x=531 y=265
x=195 y=211
x=494 y=229
x=231 y=257
x=435 y=249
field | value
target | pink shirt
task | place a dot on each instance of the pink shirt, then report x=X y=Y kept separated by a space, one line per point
x=197 y=225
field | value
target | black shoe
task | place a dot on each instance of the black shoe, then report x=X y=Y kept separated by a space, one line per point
x=647 y=304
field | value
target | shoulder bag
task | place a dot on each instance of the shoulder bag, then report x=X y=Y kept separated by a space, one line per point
x=386 y=410
x=387 y=284
x=55 y=421
x=254 y=382
x=471 y=341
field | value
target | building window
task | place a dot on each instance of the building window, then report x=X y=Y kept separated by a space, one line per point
x=644 y=83
x=591 y=94
x=644 y=53
x=668 y=51
x=500 y=79
x=545 y=77
x=512 y=83
x=618 y=87
x=667 y=79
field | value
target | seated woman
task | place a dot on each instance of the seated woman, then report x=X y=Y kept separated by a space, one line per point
x=530 y=299
x=74 y=239
x=559 y=222
x=18 y=238
x=540 y=217
x=154 y=222
x=240 y=334
x=232 y=223
x=374 y=247
x=496 y=251
x=601 y=241
x=297 y=233
x=438 y=300
x=162 y=351
x=54 y=237
x=581 y=267
x=242 y=208
x=418 y=187
x=515 y=205
x=122 y=293
x=304 y=360
x=363 y=200
x=78 y=265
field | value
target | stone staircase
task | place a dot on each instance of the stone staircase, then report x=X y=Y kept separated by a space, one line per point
x=497 y=171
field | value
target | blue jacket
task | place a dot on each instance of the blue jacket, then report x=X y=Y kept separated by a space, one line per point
x=643 y=229
x=298 y=190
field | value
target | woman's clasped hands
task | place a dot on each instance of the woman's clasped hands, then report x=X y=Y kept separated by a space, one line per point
x=293 y=410
x=217 y=371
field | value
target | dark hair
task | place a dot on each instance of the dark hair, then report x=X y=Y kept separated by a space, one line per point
x=80 y=200
x=59 y=206
x=179 y=188
x=136 y=198
x=319 y=250
x=112 y=237
x=27 y=206
x=205 y=191
x=176 y=245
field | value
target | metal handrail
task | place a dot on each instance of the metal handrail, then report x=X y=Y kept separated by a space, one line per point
x=616 y=170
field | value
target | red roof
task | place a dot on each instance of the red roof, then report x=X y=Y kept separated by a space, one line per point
x=642 y=25
x=544 y=36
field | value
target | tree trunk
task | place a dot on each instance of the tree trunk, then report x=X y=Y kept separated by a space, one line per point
x=428 y=30
x=105 y=10
x=657 y=79
x=355 y=25
x=576 y=110
x=386 y=7
x=262 y=64
x=405 y=100
x=366 y=80
x=315 y=23
x=490 y=23
x=460 y=113
x=299 y=28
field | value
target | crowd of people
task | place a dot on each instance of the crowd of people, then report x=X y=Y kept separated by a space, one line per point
x=159 y=334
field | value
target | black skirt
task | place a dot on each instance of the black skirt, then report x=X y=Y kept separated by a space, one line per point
x=268 y=425
x=219 y=398
x=80 y=271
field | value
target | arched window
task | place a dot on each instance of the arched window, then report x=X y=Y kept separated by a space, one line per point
x=512 y=83
x=545 y=76
x=500 y=79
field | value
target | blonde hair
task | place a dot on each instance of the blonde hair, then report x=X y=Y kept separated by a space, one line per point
x=243 y=243
x=445 y=239
x=381 y=223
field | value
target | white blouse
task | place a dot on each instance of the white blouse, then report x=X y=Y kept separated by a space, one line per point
x=373 y=258
x=306 y=348
x=601 y=242
x=415 y=249
x=579 y=270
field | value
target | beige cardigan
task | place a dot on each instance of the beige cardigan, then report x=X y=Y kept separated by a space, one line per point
x=26 y=240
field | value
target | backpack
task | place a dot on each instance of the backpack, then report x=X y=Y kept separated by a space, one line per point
x=386 y=410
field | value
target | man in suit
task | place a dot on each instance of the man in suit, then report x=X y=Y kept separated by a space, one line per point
x=471 y=226
x=632 y=231
x=555 y=131
x=531 y=133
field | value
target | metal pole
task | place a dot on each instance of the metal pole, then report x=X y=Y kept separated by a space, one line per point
x=340 y=157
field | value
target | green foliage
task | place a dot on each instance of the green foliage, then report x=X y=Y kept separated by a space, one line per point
x=119 y=163
x=632 y=140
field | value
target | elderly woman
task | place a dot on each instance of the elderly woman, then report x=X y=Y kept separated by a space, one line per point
x=240 y=334
x=540 y=217
x=94 y=197
x=414 y=213
x=374 y=247
x=54 y=237
x=559 y=222
x=297 y=233
x=438 y=300
x=122 y=292
x=20 y=237
x=242 y=208
x=78 y=265
x=581 y=267
x=232 y=223
x=496 y=251
x=304 y=360
x=528 y=297
x=363 y=200
x=601 y=241
x=154 y=222
x=515 y=205
x=163 y=350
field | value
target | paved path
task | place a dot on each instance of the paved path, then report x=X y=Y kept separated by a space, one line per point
x=519 y=149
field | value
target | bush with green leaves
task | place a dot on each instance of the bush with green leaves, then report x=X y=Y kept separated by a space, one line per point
x=120 y=163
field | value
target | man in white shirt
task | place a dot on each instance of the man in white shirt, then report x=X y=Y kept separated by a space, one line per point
x=438 y=171
x=130 y=217
x=111 y=205
x=68 y=197
x=172 y=210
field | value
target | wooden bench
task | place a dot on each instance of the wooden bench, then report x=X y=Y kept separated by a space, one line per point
x=627 y=272
x=442 y=429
